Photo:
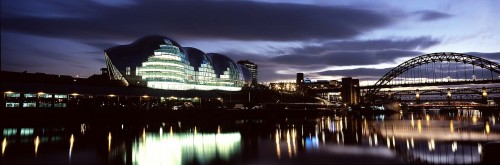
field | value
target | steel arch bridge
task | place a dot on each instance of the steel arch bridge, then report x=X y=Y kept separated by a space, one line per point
x=433 y=58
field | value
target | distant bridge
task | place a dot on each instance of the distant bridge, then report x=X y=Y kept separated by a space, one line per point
x=437 y=69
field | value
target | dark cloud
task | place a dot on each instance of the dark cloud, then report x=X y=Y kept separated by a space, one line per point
x=381 y=44
x=239 y=20
x=429 y=15
x=360 y=72
x=346 y=58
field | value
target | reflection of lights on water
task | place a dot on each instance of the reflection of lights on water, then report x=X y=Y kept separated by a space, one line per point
x=479 y=148
x=122 y=126
x=419 y=126
x=388 y=143
x=288 y=143
x=338 y=138
x=375 y=139
x=161 y=132
x=4 y=145
x=412 y=143
x=277 y=140
x=294 y=136
x=474 y=119
x=452 y=129
x=37 y=142
x=323 y=137
x=412 y=122
x=218 y=129
x=427 y=119
x=487 y=127
x=171 y=131
x=83 y=128
x=407 y=144
x=370 y=140
x=144 y=134
x=109 y=141
x=493 y=120
x=71 y=141
x=345 y=121
x=184 y=147
x=432 y=145
x=311 y=142
x=454 y=146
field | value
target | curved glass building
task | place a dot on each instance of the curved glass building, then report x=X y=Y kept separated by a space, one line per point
x=160 y=62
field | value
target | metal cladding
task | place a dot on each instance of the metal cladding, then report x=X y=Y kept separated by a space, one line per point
x=160 y=62
x=196 y=57
x=221 y=63
x=136 y=52
x=247 y=74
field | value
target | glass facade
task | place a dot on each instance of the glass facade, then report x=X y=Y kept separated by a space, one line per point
x=169 y=66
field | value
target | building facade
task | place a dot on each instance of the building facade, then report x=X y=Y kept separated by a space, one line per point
x=160 y=62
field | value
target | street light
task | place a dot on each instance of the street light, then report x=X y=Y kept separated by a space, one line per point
x=196 y=98
x=221 y=100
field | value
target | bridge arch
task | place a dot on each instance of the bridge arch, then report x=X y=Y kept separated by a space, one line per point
x=427 y=59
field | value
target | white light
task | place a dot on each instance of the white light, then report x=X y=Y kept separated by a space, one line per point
x=174 y=149
x=479 y=148
x=454 y=146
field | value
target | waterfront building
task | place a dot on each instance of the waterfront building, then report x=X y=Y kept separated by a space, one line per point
x=162 y=63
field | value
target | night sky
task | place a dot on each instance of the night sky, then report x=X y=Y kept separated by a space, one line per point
x=323 y=39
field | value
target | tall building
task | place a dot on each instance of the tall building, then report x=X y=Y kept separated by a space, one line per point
x=160 y=62
x=253 y=69
x=350 y=91
x=300 y=78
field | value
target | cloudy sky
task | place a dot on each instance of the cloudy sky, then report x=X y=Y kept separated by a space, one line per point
x=323 y=39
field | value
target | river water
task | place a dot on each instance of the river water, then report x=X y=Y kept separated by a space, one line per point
x=405 y=138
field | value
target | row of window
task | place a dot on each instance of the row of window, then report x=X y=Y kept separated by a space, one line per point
x=33 y=95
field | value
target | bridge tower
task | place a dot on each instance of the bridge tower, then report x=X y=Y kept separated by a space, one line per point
x=350 y=91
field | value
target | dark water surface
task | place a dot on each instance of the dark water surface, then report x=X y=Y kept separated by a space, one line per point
x=396 y=139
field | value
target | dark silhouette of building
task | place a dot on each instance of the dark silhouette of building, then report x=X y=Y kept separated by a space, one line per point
x=350 y=91
x=300 y=79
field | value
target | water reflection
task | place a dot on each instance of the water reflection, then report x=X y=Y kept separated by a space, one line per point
x=182 y=148
x=4 y=145
x=432 y=143
x=403 y=138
